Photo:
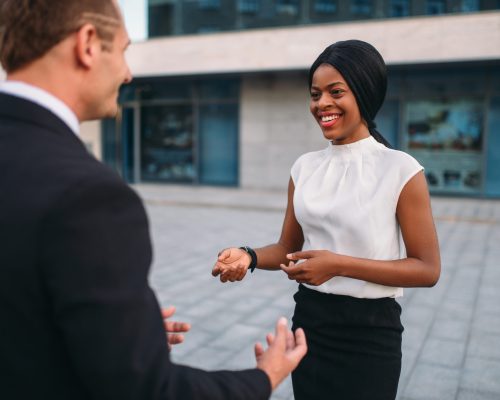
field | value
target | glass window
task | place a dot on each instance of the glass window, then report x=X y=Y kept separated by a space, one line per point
x=325 y=6
x=160 y=18
x=399 y=8
x=248 y=6
x=218 y=144
x=361 y=7
x=493 y=149
x=435 y=7
x=287 y=7
x=469 y=5
x=209 y=4
x=387 y=121
x=447 y=138
x=224 y=89
x=111 y=144
x=167 y=143
x=156 y=90
x=208 y=29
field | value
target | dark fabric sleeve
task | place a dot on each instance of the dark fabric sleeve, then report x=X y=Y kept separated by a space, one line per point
x=96 y=254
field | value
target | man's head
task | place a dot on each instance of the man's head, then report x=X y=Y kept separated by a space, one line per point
x=81 y=39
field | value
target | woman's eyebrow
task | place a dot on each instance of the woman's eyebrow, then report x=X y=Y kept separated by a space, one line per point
x=329 y=85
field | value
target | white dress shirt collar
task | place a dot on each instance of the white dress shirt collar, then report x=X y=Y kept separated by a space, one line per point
x=44 y=99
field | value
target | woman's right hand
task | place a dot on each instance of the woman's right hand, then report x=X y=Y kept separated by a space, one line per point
x=232 y=264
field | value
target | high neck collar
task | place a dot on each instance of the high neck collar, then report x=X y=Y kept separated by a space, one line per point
x=365 y=145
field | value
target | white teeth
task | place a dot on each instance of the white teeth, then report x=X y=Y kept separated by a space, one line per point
x=327 y=118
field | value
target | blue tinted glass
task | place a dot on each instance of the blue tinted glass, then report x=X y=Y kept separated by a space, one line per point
x=435 y=7
x=493 y=149
x=399 y=8
x=446 y=137
x=167 y=142
x=158 y=90
x=325 y=6
x=387 y=121
x=218 y=144
x=222 y=89
x=209 y=4
x=248 y=6
x=110 y=143
x=361 y=7
x=469 y=5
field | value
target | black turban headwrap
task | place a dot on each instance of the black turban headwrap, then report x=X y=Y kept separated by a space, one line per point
x=365 y=73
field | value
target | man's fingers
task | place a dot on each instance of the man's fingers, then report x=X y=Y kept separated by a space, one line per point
x=174 y=326
x=175 y=338
x=290 y=340
x=168 y=312
x=300 y=348
x=269 y=339
x=281 y=332
x=258 y=349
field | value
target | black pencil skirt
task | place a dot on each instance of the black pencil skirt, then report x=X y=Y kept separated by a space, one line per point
x=354 y=347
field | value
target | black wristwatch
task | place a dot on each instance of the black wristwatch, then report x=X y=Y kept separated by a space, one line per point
x=253 y=257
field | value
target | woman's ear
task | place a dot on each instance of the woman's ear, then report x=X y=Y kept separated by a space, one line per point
x=88 y=45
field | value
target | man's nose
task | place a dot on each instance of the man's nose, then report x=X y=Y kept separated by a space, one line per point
x=128 y=76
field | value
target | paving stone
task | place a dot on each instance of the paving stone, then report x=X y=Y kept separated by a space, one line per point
x=487 y=322
x=465 y=394
x=208 y=358
x=484 y=345
x=429 y=382
x=481 y=374
x=238 y=335
x=447 y=353
x=450 y=329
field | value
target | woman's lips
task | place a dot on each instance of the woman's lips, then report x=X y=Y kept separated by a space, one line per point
x=327 y=120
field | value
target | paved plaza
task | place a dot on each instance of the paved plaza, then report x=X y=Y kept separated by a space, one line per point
x=451 y=343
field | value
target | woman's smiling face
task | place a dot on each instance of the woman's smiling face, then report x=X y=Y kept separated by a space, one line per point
x=334 y=107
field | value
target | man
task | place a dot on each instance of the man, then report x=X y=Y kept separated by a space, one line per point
x=79 y=320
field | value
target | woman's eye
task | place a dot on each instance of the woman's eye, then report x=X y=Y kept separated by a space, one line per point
x=336 y=92
x=315 y=95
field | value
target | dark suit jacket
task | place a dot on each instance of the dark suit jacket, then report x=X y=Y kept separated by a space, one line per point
x=77 y=317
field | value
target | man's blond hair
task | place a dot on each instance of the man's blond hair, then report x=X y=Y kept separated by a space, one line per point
x=30 y=28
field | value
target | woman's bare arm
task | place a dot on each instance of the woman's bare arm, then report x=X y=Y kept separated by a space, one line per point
x=232 y=263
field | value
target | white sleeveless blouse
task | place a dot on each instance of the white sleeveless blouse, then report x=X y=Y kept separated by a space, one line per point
x=345 y=201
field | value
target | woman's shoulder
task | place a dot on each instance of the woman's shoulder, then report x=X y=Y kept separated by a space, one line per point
x=399 y=157
x=399 y=165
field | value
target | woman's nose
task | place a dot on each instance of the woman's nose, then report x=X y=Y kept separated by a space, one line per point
x=325 y=102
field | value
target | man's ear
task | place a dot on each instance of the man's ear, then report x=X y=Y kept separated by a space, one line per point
x=88 y=45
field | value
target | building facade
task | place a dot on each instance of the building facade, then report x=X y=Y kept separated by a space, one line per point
x=220 y=94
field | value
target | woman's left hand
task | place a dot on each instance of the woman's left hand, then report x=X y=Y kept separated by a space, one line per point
x=317 y=267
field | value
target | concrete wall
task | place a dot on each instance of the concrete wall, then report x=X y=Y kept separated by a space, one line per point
x=90 y=133
x=447 y=38
x=275 y=128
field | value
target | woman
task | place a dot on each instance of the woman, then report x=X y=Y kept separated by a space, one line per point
x=347 y=205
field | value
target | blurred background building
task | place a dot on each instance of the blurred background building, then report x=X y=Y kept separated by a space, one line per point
x=220 y=94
